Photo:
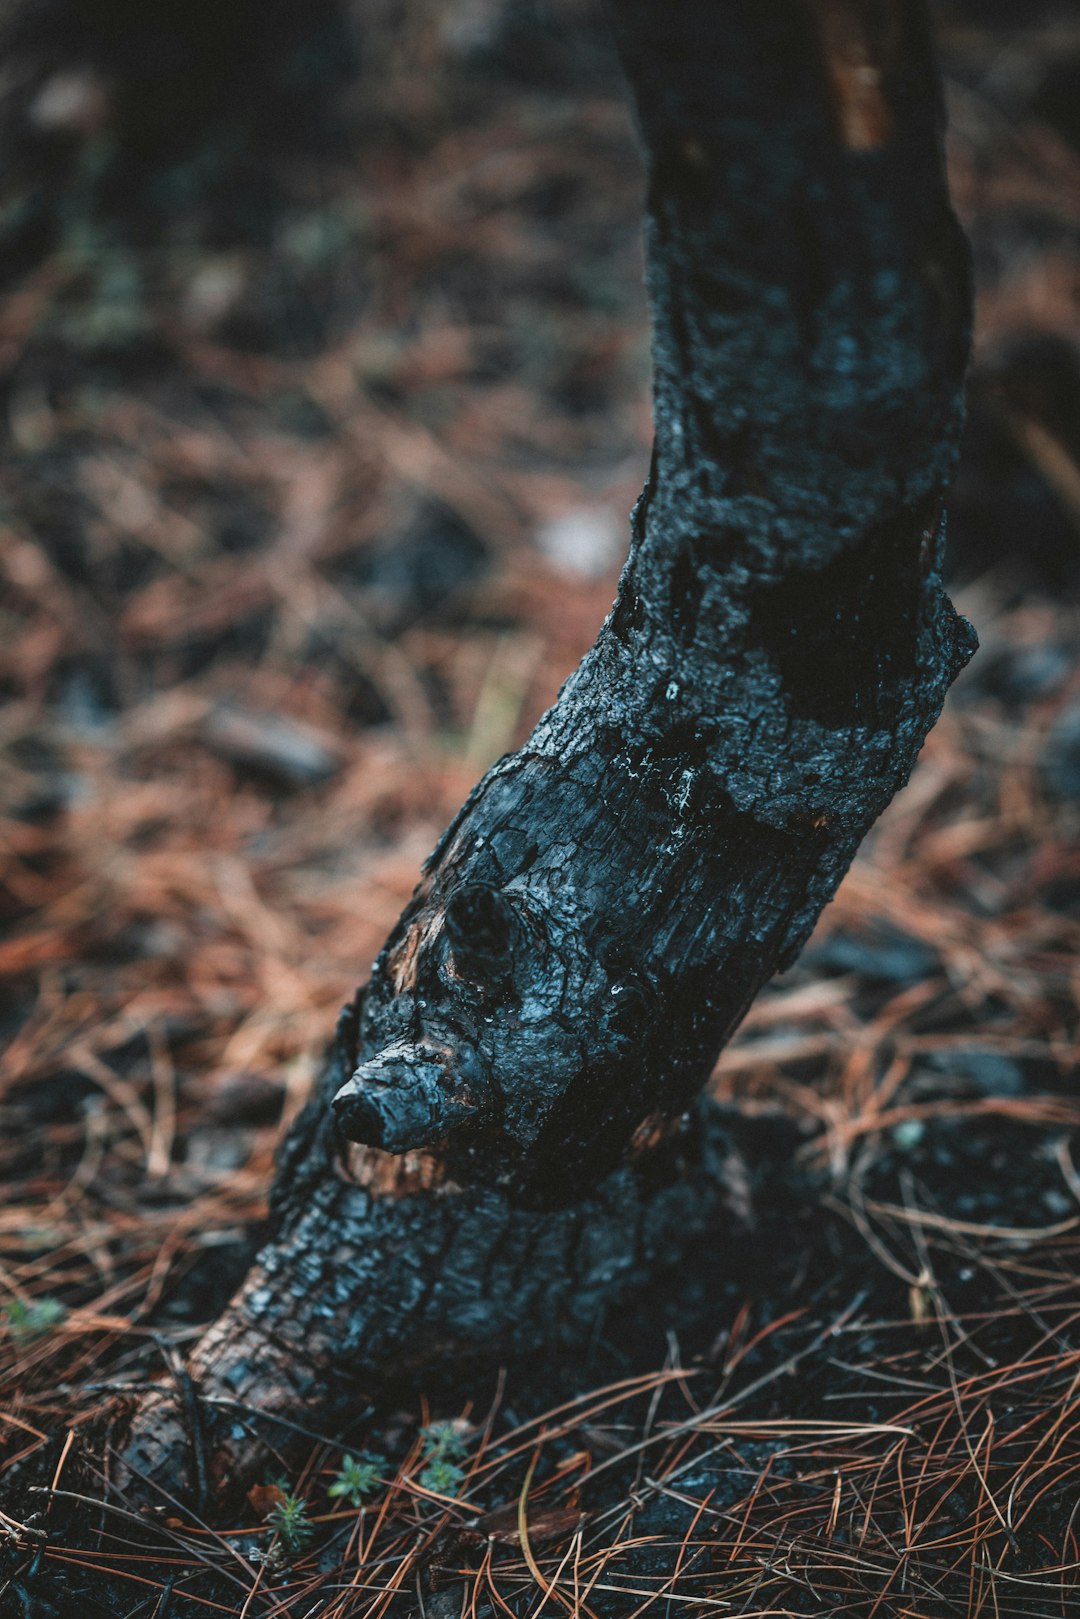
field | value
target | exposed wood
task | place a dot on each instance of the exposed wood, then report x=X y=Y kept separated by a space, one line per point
x=603 y=910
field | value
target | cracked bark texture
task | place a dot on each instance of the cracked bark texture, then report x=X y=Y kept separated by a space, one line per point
x=506 y=1137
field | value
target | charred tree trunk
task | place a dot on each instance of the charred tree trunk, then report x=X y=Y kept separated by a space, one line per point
x=518 y=1079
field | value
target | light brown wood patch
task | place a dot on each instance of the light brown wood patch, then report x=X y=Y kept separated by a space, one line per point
x=387 y=1174
x=856 y=58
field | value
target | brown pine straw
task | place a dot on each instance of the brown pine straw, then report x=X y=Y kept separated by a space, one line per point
x=854 y=1512
x=181 y=933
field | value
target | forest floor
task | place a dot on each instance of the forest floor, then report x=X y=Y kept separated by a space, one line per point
x=325 y=399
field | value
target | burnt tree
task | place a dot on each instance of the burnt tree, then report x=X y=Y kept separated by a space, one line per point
x=506 y=1137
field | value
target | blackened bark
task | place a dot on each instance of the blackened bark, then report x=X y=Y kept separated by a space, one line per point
x=599 y=916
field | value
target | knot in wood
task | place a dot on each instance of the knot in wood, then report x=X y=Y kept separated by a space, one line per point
x=480 y=928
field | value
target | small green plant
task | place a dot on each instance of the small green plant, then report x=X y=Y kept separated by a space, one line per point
x=32 y=1318
x=443 y=1450
x=288 y=1520
x=442 y=1477
x=359 y=1477
x=444 y=1438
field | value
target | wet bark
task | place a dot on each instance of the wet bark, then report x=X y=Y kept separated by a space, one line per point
x=506 y=1137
